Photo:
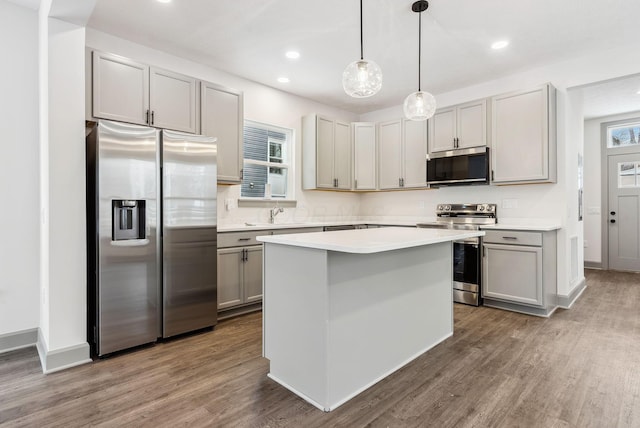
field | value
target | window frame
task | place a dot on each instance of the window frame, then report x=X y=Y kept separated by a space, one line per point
x=287 y=162
x=631 y=123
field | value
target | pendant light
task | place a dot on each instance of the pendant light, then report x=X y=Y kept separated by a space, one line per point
x=419 y=105
x=362 y=78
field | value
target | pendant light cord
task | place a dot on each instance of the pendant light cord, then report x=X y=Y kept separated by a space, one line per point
x=419 y=46
x=361 y=39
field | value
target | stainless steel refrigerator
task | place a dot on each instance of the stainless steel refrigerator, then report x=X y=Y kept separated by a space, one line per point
x=147 y=281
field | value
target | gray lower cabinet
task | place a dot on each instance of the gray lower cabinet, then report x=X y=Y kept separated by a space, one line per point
x=239 y=276
x=240 y=269
x=519 y=271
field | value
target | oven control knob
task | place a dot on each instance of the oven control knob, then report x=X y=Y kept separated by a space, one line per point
x=481 y=208
x=440 y=208
x=447 y=208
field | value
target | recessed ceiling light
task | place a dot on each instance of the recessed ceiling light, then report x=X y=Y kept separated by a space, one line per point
x=292 y=54
x=164 y=1
x=501 y=44
x=638 y=92
x=283 y=79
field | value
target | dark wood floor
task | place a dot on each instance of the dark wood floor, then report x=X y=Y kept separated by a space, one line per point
x=580 y=368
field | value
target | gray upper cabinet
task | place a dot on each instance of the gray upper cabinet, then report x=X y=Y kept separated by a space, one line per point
x=364 y=155
x=459 y=127
x=524 y=137
x=402 y=151
x=173 y=100
x=120 y=89
x=326 y=153
x=133 y=92
x=222 y=117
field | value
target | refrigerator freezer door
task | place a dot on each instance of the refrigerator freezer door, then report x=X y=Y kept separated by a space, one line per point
x=127 y=271
x=189 y=231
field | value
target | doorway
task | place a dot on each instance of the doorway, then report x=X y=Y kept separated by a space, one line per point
x=621 y=206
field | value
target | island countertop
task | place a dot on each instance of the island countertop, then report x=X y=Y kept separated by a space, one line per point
x=367 y=241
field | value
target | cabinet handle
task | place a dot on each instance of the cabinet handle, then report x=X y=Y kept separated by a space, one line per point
x=355 y=183
x=492 y=175
x=147 y=119
x=244 y=239
x=241 y=174
x=152 y=112
x=402 y=182
x=510 y=238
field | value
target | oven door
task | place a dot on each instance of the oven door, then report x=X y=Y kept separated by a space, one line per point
x=466 y=265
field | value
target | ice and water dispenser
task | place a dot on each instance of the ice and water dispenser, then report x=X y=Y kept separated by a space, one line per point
x=128 y=219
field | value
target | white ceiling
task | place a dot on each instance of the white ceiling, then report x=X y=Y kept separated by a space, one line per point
x=249 y=38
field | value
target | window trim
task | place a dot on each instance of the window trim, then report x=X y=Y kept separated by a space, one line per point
x=629 y=123
x=289 y=199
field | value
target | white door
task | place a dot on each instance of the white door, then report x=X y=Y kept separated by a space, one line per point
x=472 y=125
x=442 y=130
x=415 y=154
x=222 y=117
x=120 y=89
x=390 y=154
x=624 y=212
x=324 y=153
x=342 y=155
x=364 y=155
x=172 y=100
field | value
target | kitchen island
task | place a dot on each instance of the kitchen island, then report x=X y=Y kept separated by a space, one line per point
x=342 y=310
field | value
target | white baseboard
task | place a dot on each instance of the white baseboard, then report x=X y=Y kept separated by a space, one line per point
x=566 y=302
x=18 y=340
x=60 y=359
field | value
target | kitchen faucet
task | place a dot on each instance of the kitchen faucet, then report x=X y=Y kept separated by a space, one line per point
x=274 y=212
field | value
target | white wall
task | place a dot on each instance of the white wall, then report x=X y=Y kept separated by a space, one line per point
x=19 y=171
x=66 y=187
x=261 y=104
x=593 y=207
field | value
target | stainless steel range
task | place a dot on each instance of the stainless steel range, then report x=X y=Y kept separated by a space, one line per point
x=467 y=255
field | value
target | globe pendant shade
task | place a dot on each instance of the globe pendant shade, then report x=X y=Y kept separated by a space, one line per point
x=362 y=79
x=419 y=106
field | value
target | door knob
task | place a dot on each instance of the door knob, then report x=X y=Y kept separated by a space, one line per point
x=612 y=220
x=613 y=213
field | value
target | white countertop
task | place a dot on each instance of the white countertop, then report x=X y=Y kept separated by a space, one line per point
x=543 y=225
x=366 y=241
x=269 y=226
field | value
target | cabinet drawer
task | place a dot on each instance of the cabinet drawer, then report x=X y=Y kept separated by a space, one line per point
x=296 y=230
x=241 y=239
x=513 y=237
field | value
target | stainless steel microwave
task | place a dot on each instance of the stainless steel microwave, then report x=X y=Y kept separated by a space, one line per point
x=459 y=167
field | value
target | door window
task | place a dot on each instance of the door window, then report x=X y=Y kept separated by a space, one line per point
x=627 y=134
x=628 y=174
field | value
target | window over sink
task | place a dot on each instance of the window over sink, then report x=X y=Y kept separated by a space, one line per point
x=267 y=161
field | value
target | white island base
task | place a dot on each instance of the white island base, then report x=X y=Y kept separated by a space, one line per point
x=337 y=322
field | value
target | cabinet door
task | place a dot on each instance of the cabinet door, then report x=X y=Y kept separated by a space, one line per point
x=520 y=136
x=512 y=273
x=230 y=266
x=389 y=154
x=415 y=153
x=120 y=89
x=471 y=124
x=442 y=130
x=222 y=118
x=364 y=154
x=324 y=153
x=253 y=274
x=172 y=100
x=342 y=155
